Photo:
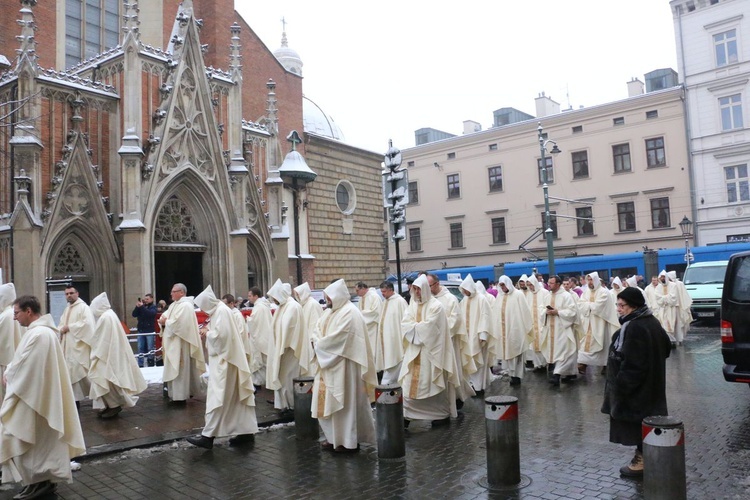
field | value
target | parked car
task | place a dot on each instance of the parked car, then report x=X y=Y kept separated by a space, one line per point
x=704 y=282
x=735 y=319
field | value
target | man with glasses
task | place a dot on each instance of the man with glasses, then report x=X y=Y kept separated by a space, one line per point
x=38 y=439
x=184 y=362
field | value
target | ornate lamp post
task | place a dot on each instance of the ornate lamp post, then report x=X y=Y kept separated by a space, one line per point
x=295 y=173
x=543 y=143
x=686 y=225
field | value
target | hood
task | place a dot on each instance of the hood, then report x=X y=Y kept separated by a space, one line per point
x=617 y=282
x=207 y=301
x=632 y=281
x=595 y=278
x=672 y=275
x=534 y=283
x=338 y=293
x=481 y=289
x=279 y=292
x=302 y=292
x=469 y=285
x=523 y=278
x=7 y=295
x=508 y=284
x=100 y=305
x=424 y=287
x=664 y=273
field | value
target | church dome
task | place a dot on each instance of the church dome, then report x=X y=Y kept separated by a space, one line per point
x=318 y=122
x=289 y=58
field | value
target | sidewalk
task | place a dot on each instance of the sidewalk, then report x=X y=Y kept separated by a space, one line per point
x=155 y=420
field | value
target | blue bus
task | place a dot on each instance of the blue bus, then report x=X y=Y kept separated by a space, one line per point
x=622 y=264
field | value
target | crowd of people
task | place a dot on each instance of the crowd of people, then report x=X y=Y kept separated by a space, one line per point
x=440 y=350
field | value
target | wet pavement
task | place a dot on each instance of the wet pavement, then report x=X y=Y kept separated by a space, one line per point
x=564 y=447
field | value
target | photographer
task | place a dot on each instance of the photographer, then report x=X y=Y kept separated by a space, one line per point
x=145 y=311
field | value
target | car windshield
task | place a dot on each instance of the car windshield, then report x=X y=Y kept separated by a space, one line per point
x=705 y=275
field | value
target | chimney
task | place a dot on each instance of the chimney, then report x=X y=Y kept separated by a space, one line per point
x=546 y=106
x=635 y=87
x=470 y=126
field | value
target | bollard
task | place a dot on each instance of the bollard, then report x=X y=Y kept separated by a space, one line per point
x=305 y=426
x=389 y=417
x=503 y=457
x=664 y=459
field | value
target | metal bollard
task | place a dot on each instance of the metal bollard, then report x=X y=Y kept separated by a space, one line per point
x=503 y=457
x=389 y=417
x=664 y=458
x=305 y=426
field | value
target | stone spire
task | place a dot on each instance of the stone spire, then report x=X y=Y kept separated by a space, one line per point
x=235 y=58
x=130 y=21
x=27 y=57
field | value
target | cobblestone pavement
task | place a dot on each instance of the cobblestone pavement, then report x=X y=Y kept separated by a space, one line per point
x=564 y=448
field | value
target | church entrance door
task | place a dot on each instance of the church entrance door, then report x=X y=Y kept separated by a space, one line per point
x=177 y=267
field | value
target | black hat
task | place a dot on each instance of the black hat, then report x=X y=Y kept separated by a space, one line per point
x=633 y=297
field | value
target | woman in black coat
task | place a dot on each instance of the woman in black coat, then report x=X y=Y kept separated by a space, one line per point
x=636 y=375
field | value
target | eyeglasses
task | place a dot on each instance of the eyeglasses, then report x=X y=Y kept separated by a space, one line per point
x=620 y=304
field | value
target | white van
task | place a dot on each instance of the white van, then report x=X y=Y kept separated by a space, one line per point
x=704 y=282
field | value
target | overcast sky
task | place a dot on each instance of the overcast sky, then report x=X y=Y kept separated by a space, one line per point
x=384 y=69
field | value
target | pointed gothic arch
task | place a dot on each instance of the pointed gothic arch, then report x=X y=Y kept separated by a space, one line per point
x=258 y=262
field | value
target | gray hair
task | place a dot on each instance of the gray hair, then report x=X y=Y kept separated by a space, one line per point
x=181 y=287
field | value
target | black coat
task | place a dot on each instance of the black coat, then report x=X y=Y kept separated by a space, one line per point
x=636 y=375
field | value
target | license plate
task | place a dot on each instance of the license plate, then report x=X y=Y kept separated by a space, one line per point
x=705 y=315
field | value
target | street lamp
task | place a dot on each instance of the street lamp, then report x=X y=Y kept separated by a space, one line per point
x=295 y=172
x=686 y=225
x=543 y=143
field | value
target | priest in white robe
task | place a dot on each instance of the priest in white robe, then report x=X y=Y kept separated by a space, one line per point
x=344 y=386
x=684 y=315
x=476 y=312
x=599 y=322
x=459 y=338
x=537 y=296
x=115 y=377
x=370 y=306
x=40 y=432
x=10 y=329
x=511 y=320
x=559 y=316
x=389 y=347
x=617 y=286
x=77 y=332
x=184 y=362
x=650 y=293
x=230 y=402
x=667 y=301
x=290 y=354
x=311 y=313
x=429 y=374
x=260 y=329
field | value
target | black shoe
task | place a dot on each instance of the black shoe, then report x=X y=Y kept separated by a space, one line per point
x=569 y=378
x=406 y=423
x=241 y=439
x=201 y=441
x=529 y=363
x=36 y=490
x=442 y=422
x=111 y=412
x=459 y=404
x=515 y=380
x=555 y=380
x=478 y=394
x=78 y=407
x=342 y=449
x=604 y=370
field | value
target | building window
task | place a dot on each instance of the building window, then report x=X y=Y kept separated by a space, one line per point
x=493 y=147
x=415 y=239
x=578 y=129
x=91 y=27
x=451 y=156
x=731 y=112
x=410 y=164
x=457 y=235
x=652 y=114
x=725 y=47
x=621 y=156
x=550 y=170
x=498 y=230
x=620 y=120
x=346 y=197
x=413 y=193
x=585 y=221
x=552 y=222
x=626 y=216
x=454 y=186
x=660 y=213
x=655 y=156
x=737 y=183
x=496 y=179
x=580 y=164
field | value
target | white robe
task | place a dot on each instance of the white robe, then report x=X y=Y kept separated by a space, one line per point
x=76 y=345
x=477 y=312
x=511 y=319
x=344 y=385
x=260 y=329
x=534 y=299
x=39 y=420
x=598 y=322
x=183 y=351
x=559 y=343
x=10 y=329
x=389 y=345
x=115 y=377
x=667 y=309
x=311 y=313
x=230 y=402
x=370 y=306
x=460 y=341
x=684 y=316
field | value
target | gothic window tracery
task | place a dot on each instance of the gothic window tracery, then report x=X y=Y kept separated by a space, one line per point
x=175 y=223
x=68 y=261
